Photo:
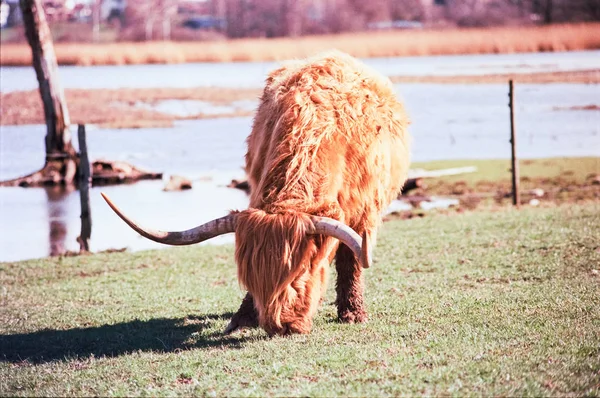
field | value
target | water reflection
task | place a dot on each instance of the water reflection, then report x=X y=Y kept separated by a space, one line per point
x=37 y=222
x=446 y=125
x=58 y=213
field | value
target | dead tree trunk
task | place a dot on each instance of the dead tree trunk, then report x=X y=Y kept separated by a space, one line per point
x=96 y=5
x=60 y=165
x=548 y=12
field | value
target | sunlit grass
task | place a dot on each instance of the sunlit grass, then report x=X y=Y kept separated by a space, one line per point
x=577 y=170
x=553 y=180
x=481 y=303
x=567 y=37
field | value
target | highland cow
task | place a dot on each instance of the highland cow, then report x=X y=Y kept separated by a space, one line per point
x=328 y=151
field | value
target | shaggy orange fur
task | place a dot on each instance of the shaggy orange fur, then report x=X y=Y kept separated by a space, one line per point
x=329 y=139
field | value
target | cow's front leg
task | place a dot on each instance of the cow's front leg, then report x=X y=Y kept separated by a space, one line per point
x=350 y=303
x=246 y=316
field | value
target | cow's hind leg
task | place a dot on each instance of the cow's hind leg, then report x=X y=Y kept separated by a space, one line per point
x=246 y=316
x=351 y=307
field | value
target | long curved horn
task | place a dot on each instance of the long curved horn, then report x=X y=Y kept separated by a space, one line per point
x=336 y=229
x=199 y=234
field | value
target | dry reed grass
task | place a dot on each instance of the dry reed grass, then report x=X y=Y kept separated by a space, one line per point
x=566 y=37
x=574 y=77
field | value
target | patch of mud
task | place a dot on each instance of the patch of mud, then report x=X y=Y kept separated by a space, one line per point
x=591 y=76
x=563 y=188
x=591 y=107
x=132 y=108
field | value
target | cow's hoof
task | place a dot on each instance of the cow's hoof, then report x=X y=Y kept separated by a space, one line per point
x=356 y=316
x=240 y=322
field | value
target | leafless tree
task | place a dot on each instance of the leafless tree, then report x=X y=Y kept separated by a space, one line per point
x=60 y=165
x=276 y=18
x=143 y=17
x=409 y=10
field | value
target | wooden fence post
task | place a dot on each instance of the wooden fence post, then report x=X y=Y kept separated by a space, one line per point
x=513 y=142
x=85 y=182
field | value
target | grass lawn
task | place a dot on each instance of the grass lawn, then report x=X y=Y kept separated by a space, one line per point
x=576 y=169
x=500 y=302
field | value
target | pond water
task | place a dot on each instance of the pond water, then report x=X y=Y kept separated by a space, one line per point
x=252 y=74
x=448 y=122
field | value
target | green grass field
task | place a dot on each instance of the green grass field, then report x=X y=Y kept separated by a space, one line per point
x=560 y=180
x=498 y=302
x=577 y=170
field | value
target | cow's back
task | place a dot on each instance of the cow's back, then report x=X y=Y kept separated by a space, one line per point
x=329 y=138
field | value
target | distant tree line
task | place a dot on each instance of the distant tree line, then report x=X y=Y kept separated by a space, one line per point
x=273 y=18
x=218 y=19
x=290 y=18
x=502 y=12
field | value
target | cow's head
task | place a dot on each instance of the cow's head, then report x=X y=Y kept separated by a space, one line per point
x=281 y=258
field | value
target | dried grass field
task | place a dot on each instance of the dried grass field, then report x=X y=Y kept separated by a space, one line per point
x=565 y=37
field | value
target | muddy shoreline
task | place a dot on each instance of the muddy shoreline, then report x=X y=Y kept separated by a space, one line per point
x=137 y=108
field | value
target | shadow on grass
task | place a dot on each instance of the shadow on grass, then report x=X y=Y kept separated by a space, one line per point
x=158 y=335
